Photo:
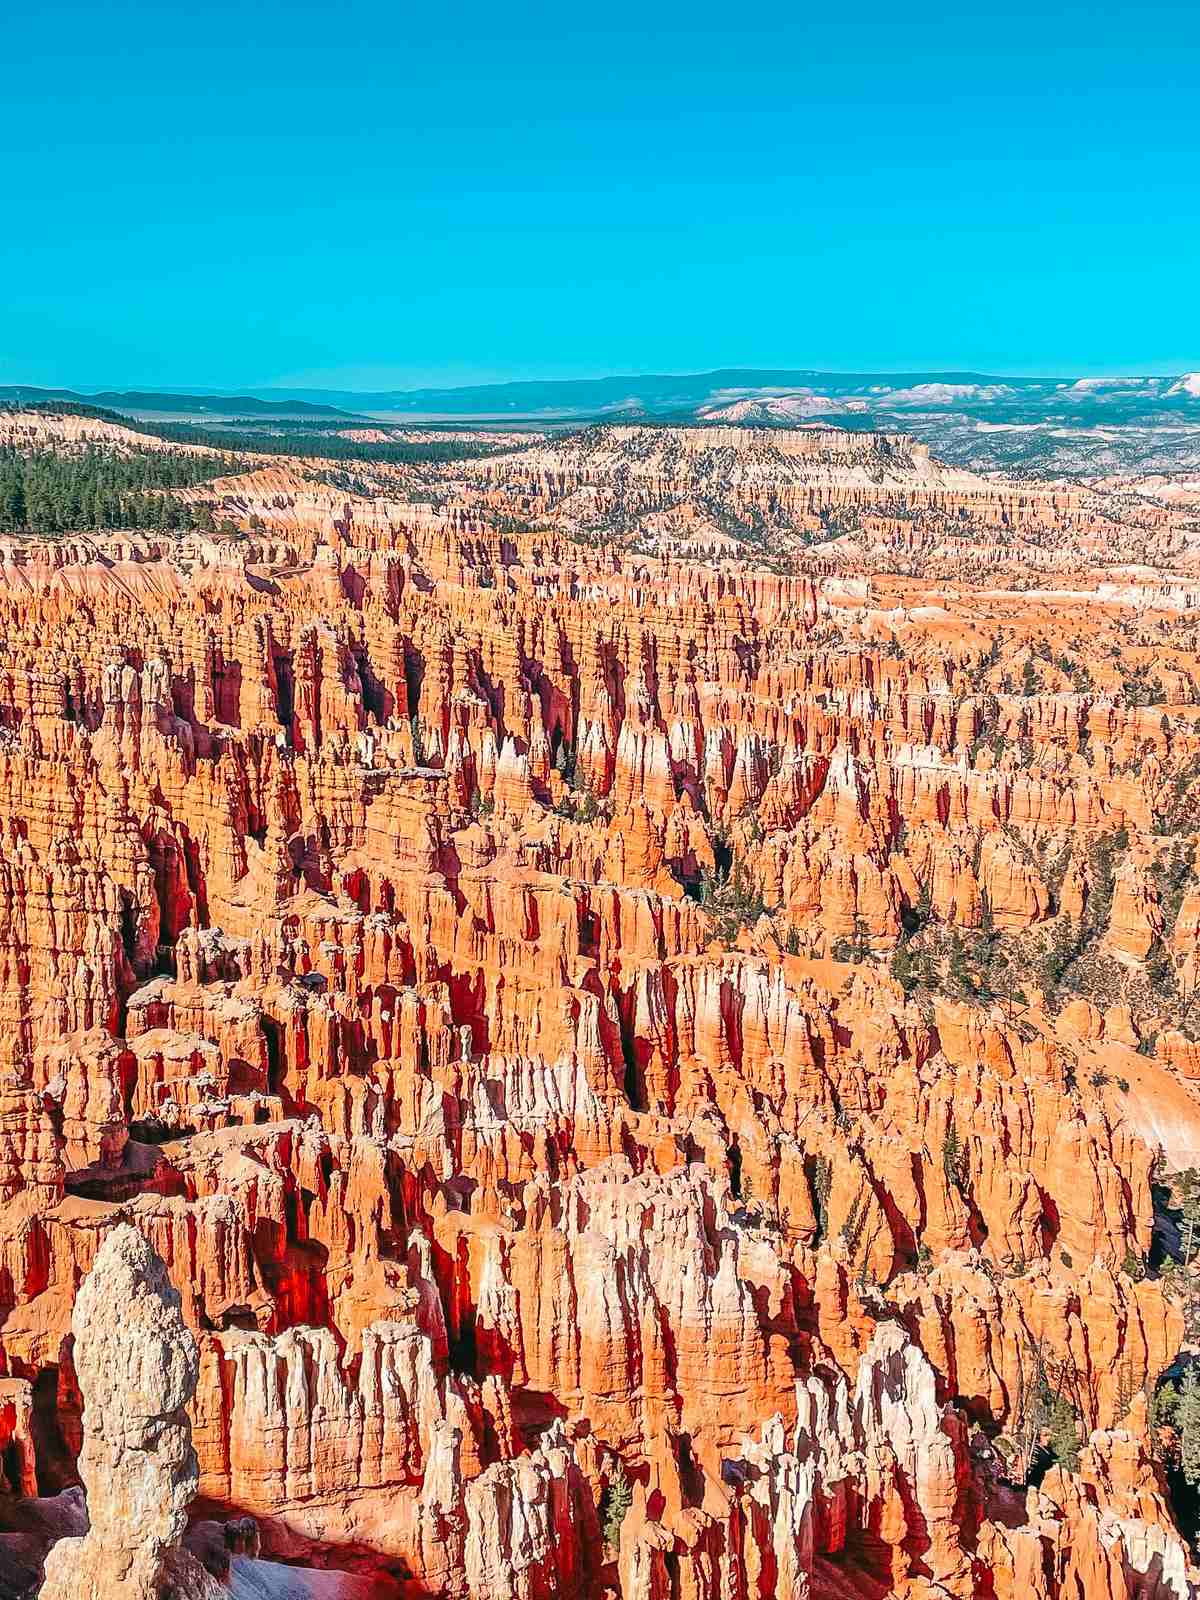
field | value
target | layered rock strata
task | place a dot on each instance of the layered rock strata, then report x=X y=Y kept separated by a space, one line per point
x=569 y=1017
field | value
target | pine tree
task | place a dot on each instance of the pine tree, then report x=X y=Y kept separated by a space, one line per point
x=1188 y=1186
x=615 y=1501
x=952 y=1156
x=1061 y=1421
x=1188 y=1423
x=902 y=968
x=822 y=1183
x=12 y=505
x=959 y=973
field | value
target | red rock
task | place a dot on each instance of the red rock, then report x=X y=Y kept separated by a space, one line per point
x=431 y=937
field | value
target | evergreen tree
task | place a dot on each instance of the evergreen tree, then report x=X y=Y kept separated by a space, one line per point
x=12 y=507
x=1188 y=1188
x=49 y=492
x=903 y=968
x=952 y=1156
x=615 y=1501
x=822 y=1184
x=1188 y=1424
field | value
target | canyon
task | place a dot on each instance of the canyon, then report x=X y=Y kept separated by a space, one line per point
x=612 y=1018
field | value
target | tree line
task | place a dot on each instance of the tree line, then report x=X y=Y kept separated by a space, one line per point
x=283 y=437
x=45 y=492
x=284 y=440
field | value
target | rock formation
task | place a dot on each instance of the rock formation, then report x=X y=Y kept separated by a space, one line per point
x=656 y=965
x=137 y=1366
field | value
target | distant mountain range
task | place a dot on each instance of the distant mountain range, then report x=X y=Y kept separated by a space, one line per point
x=161 y=402
x=1042 y=426
x=788 y=396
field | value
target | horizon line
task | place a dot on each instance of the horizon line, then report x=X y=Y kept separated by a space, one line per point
x=251 y=391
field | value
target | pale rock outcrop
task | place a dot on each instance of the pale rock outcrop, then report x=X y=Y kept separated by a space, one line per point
x=137 y=1368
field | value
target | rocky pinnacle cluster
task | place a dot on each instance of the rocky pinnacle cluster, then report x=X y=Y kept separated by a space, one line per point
x=609 y=1020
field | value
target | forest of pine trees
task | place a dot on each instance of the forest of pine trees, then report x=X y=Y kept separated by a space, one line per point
x=282 y=439
x=50 y=493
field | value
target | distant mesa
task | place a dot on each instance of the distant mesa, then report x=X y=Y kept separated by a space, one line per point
x=1053 y=426
x=140 y=402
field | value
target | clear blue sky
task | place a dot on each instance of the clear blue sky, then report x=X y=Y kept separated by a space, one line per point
x=376 y=194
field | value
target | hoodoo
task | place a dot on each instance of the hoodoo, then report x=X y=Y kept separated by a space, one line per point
x=610 y=1016
x=137 y=1367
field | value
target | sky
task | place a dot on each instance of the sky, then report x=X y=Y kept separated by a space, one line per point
x=376 y=195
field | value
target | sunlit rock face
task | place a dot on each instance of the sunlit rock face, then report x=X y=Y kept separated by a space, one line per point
x=137 y=1366
x=651 y=969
